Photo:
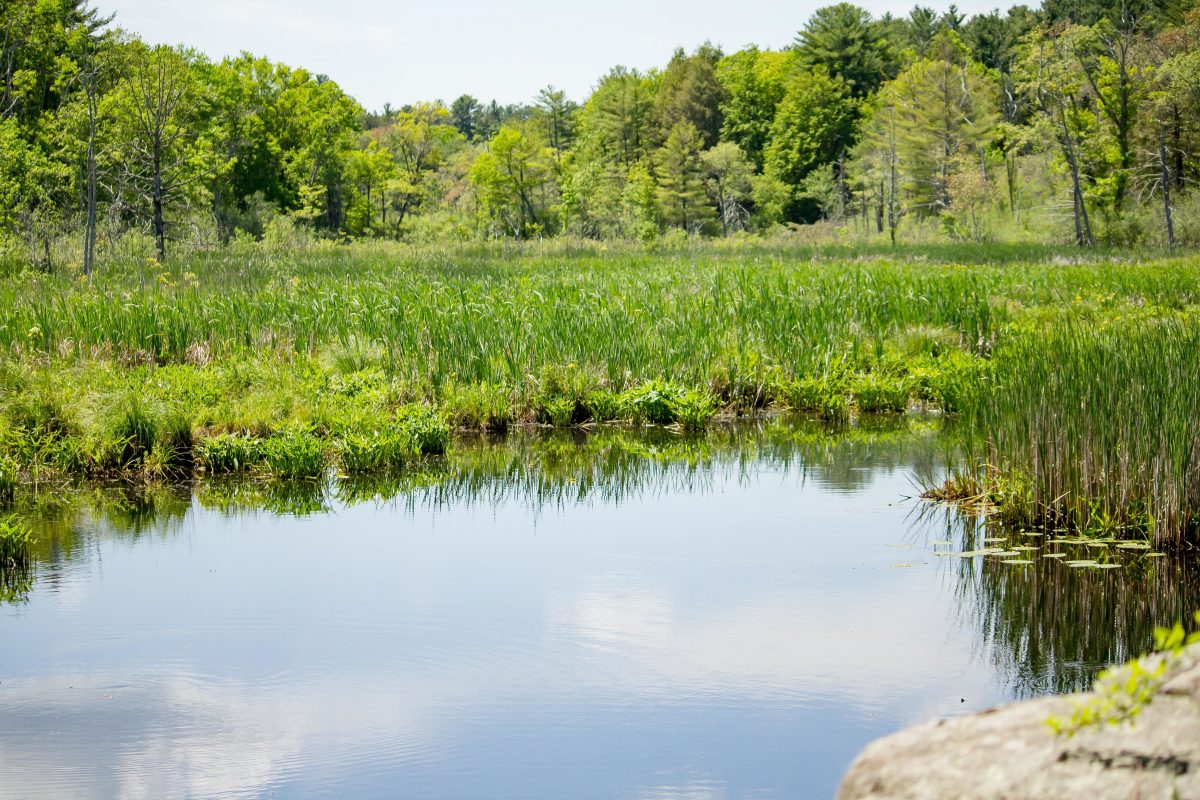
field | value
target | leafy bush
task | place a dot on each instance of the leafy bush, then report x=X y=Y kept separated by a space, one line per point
x=693 y=409
x=426 y=427
x=823 y=397
x=556 y=411
x=877 y=393
x=652 y=402
x=229 y=452
x=294 y=453
x=374 y=451
x=602 y=405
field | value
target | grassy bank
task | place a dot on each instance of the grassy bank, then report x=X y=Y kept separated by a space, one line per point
x=287 y=362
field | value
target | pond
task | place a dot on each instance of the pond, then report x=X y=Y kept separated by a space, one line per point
x=613 y=614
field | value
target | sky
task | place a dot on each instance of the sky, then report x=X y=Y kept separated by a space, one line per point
x=403 y=51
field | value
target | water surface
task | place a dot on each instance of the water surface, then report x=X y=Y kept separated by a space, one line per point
x=605 y=615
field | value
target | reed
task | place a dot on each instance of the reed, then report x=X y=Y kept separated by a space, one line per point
x=1094 y=425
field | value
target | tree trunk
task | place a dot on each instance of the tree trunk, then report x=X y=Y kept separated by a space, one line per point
x=89 y=225
x=160 y=238
x=1166 y=189
x=1083 y=226
x=1010 y=174
x=879 y=210
x=892 y=182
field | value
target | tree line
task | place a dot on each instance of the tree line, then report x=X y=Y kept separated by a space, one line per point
x=1075 y=121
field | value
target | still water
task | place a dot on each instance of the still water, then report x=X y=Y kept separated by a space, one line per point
x=613 y=615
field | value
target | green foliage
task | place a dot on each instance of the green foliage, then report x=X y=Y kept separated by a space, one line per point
x=1122 y=693
x=681 y=195
x=813 y=126
x=228 y=452
x=689 y=92
x=1071 y=405
x=843 y=40
x=876 y=393
x=426 y=427
x=294 y=454
x=754 y=83
x=9 y=473
x=375 y=451
x=16 y=540
x=511 y=179
x=823 y=396
x=602 y=405
x=483 y=406
x=693 y=409
x=134 y=429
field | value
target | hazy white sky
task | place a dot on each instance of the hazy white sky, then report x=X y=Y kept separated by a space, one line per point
x=403 y=51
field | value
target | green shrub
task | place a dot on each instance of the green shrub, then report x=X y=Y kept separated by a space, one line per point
x=652 y=402
x=374 y=451
x=877 y=393
x=556 y=411
x=693 y=409
x=229 y=452
x=294 y=453
x=602 y=405
x=823 y=397
x=426 y=427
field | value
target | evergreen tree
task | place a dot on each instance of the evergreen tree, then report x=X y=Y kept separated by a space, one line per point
x=844 y=41
x=689 y=91
x=682 y=198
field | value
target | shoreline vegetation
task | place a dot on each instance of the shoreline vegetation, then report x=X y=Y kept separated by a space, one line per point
x=1071 y=375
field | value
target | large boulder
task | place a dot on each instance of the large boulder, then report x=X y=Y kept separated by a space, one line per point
x=1010 y=753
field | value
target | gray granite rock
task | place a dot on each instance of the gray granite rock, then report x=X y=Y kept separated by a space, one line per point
x=1010 y=753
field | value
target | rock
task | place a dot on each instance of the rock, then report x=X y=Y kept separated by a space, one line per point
x=1010 y=753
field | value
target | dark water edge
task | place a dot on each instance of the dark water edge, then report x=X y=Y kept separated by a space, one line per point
x=609 y=613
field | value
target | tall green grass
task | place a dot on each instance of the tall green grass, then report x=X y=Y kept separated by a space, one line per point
x=289 y=362
x=1094 y=425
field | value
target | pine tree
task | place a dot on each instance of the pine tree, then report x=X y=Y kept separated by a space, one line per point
x=680 y=172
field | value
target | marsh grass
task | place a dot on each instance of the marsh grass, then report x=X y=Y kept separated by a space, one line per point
x=1094 y=426
x=285 y=362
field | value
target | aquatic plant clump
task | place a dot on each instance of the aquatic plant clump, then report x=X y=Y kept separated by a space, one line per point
x=16 y=541
x=1092 y=426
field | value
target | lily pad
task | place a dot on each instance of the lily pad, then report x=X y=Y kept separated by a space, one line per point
x=1081 y=563
x=1156 y=555
x=1017 y=561
x=1108 y=566
x=1133 y=546
x=1054 y=555
x=1026 y=548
